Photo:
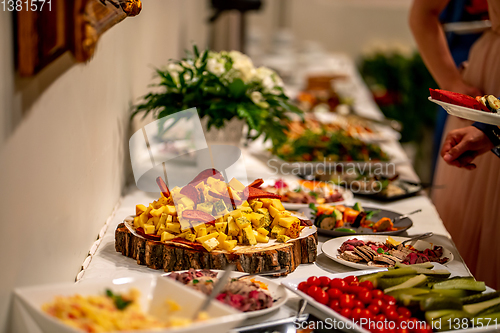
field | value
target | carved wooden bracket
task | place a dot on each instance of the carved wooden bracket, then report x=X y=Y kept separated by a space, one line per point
x=74 y=25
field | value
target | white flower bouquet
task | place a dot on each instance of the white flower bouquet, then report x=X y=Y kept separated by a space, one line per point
x=222 y=86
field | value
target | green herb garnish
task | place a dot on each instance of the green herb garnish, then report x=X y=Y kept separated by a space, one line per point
x=371 y=213
x=195 y=281
x=380 y=250
x=120 y=303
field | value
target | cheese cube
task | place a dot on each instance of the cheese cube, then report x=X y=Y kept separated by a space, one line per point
x=206 y=237
x=263 y=231
x=256 y=204
x=240 y=239
x=286 y=222
x=277 y=203
x=233 y=194
x=136 y=222
x=232 y=228
x=221 y=226
x=190 y=237
x=245 y=204
x=277 y=230
x=264 y=211
x=202 y=231
x=143 y=219
x=228 y=245
x=206 y=207
x=282 y=238
x=170 y=210
x=273 y=211
x=173 y=227
x=157 y=212
x=259 y=220
x=243 y=222
x=210 y=244
x=222 y=237
x=160 y=230
x=185 y=201
x=150 y=221
x=220 y=207
x=166 y=236
x=139 y=209
x=248 y=236
x=237 y=185
x=163 y=219
x=210 y=228
x=260 y=238
x=294 y=230
x=149 y=229
x=235 y=213
x=246 y=210
x=266 y=202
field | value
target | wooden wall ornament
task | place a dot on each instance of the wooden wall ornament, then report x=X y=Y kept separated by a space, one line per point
x=67 y=25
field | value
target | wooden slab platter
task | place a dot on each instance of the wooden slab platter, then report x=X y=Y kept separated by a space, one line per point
x=257 y=234
x=175 y=257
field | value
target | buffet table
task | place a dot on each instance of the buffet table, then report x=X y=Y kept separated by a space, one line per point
x=105 y=262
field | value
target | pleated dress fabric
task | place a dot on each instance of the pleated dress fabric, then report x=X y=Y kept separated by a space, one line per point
x=468 y=202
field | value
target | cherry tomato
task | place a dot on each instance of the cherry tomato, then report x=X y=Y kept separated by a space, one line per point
x=373 y=309
x=313 y=281
x=334 y=293
x=356 y=313
x=377 y=293
x=386 y=308
x=389 y=300
x=338 y=284
x=366 y=284
x=303 y=286
x=313 y=290
x=379 y=317
x=335 y=305
x=365 y=296
x=346 y=312
x=404 y=312
x=321 y=297
x=354 y=284
x=352 y=289
x=392 y=315
x=358 y=304
x=346 y=302
x=324 y=281
x=365 y=313
x=377 y=302
x=350 y=279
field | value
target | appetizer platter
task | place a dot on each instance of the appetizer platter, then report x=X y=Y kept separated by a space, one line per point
x=340 y=220
x=317 y=142
x=148 y=304
x=378 y=187
x=299 y=194
x=484 y=109
x=254 y=295
x=256 y=234
x=421 y=298
x=362 y=252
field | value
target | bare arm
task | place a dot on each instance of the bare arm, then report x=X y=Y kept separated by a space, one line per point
x=431 y=41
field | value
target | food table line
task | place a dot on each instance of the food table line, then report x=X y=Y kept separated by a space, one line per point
x=105 y=262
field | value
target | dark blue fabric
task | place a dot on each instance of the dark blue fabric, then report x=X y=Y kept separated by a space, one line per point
x=459 y=47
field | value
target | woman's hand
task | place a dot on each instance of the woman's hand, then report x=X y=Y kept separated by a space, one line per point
x=463 y=145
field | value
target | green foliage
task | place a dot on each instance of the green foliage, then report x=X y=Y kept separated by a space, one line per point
x=221 y=86
x=402 y=84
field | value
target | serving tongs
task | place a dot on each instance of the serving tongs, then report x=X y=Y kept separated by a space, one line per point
x=417 y=237
x=275 y=272
x=399 y=218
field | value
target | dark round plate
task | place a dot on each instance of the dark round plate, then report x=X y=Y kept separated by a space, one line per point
x=402 y=225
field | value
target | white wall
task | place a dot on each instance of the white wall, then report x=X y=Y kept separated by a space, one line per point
x=347 y=26
x=64 y=142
